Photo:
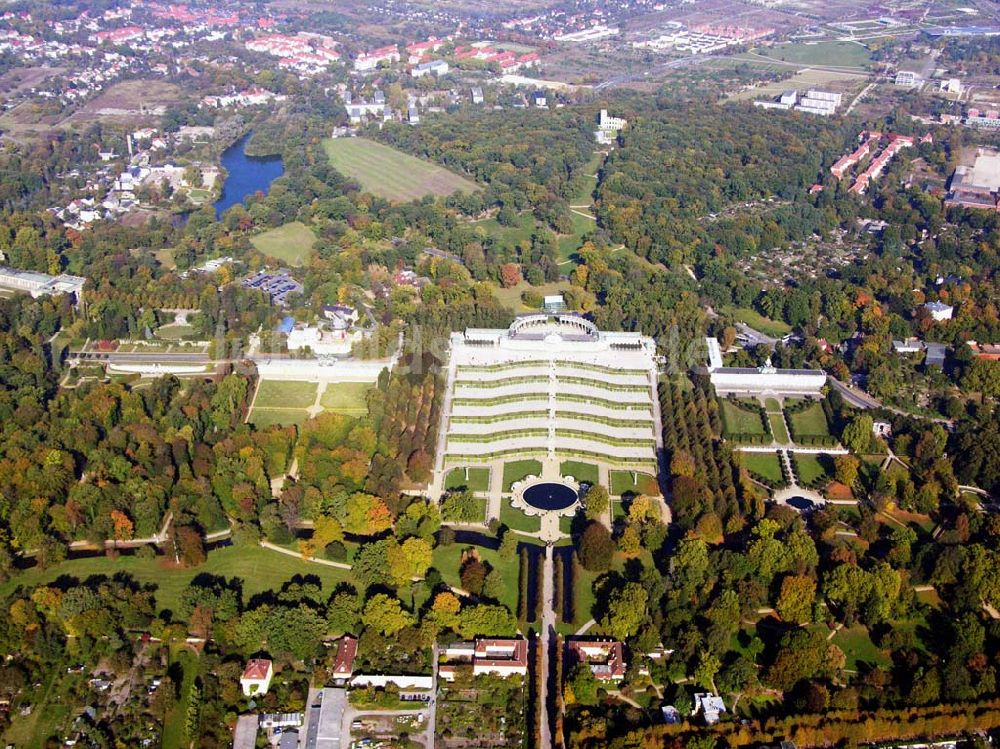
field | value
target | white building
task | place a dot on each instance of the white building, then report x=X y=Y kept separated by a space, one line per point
x=760 y=380
x=951 y=86
x=907 y=79
x=320 y=341
x=434 y=67
x=41 y=284
x=401 y=681
x=256 y=678
x=608 y=127
x=499 y=657
x=823 y=103
x=370 y=60
x=940 y=311
x=710 y=705
x=477 y=96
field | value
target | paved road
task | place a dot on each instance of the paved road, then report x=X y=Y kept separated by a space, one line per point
x=862 y=400
x=755 y=336
x=121 y=357
x=548 y=630
x=855 y=397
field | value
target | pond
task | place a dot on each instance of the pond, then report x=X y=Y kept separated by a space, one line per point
x=245 y=175
x=550 y=496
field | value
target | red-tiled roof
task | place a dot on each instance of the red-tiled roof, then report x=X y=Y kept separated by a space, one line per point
x=257 y=668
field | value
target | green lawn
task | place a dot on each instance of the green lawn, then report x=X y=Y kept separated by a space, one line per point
x=173 y=725
x=622 y=482
x=778 y=428
x=771 y=404
x=286 y=394
x=736 y=420
x=858 y=647
x=283 y=416
x=259 y=569
x=765 y=465
x=511 y=298
x=767 y=326
x=584 y=472
x=390 y=173
x=587 y=182
x=811 y=467
x=174 y=332
x=291 y=243
x=346 y=398
x=568 y=244
x=448 y=558
x=516 y=470
x=478 y=480
x=518 y=520
x=508 y=237
x=811 y=421
x=839 y=54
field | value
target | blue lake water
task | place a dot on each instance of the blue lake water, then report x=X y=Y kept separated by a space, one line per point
x=245 y=175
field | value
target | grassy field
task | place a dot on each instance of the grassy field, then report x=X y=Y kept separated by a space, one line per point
x=586 y=472
x=585 y=195
x=778 y=428
x=282 y=394
x=736 y=420
x=841 y=81
x=765 y=465
x=858 y=647
x=283 y=416
x=174 y=332
x=838 y=54
x=390 y=173
x=478 y=481
x=511 y=298
x=811 y=467
x=186 y=662
x=291 y=243
x=810 y=421
x=346 y=398
x=622 y=483
x=568 y=244
x=447 y=560
x=260 y=570
x=518 y=520
x=767 y=326
x=518 y=469
x=508 y=236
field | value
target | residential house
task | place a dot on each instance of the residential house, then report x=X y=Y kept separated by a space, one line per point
x=502 y=657
x=710 y=705
x=940 y=311
x=256 y=678
x=988 y=351
x=340 y=316
x=343 y=664
x=606 y=658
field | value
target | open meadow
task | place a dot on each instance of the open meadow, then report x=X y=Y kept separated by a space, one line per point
x=392 y=174
x=291 y=243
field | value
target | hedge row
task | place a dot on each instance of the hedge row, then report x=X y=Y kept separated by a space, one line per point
x=594 y=400
x=510 y=416
x=606 y=420
x=497 y=436
x=628 y=441
x=751 y=439
x=599 y=368
x=614 y=387
x=499 y=400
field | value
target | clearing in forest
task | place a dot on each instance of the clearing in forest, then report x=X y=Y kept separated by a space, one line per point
x=390 y=173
